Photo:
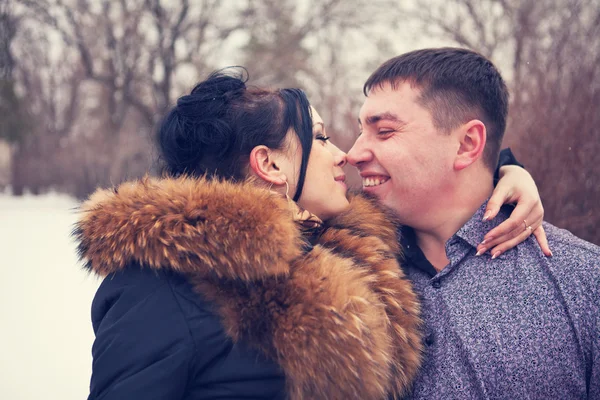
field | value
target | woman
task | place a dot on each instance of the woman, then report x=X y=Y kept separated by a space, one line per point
x=247 y=272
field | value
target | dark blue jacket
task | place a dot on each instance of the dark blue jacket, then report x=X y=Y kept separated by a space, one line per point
x=157 y=339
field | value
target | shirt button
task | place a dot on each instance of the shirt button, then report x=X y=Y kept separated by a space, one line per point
x=430 y=339
x=436 y=284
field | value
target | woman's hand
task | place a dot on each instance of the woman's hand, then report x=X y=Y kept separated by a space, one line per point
x=515 y=186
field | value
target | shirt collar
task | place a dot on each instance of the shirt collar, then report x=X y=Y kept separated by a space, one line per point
x=471 y=233
x=476 y=228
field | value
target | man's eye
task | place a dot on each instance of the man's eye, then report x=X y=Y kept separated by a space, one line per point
x=322 y=137
x=384 y=132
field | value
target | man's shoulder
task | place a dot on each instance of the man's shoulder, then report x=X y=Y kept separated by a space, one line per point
x=575 y=263
x=564 y=243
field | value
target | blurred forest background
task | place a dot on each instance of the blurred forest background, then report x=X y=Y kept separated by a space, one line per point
x=84 y=82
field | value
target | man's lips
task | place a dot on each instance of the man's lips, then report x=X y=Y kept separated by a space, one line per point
x=370 y=180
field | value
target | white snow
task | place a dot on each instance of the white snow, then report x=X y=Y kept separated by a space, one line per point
x=45 y=298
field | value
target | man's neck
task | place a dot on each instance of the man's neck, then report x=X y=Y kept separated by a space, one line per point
x=451 y=216
x=434 y=249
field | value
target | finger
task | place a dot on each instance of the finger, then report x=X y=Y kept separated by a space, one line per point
x=498 y=198
x=509 y=243
x=540 y=235
x=524 y=211
x=520 y=232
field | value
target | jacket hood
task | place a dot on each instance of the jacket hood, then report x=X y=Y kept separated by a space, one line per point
x=205 y=227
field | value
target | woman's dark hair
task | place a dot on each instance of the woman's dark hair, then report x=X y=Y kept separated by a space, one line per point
x=212 y=131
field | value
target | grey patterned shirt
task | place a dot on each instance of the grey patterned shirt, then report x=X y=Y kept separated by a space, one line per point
x=522 y=326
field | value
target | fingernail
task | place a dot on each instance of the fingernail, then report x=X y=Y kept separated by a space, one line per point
x=480 y=252
x=487 y=215
x=496 y=254
x=486 y=241
x=551 y=253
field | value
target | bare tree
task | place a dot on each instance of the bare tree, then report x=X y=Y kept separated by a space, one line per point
x=126 y=60
x=12 y=124
x=135 y=47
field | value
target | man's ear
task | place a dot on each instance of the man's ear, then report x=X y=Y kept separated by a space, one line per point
x=264 y=164
x=472 y=139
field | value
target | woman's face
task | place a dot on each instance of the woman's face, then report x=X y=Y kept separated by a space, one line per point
x=324 y=191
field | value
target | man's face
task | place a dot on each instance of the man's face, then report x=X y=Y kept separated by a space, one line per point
x=402 y=157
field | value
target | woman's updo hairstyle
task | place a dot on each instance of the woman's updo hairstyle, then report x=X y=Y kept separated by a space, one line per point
x=212 y=131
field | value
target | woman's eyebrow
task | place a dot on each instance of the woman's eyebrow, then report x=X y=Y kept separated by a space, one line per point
x=319 y=123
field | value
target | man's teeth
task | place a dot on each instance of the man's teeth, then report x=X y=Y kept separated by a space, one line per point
x=373 y=181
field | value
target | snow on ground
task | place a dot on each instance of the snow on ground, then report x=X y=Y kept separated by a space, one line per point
x=45 y=298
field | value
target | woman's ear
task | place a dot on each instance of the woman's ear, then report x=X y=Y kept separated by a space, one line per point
x=473 y=137
x=264 y=164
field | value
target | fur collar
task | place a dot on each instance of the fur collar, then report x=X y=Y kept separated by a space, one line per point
x=341 y=320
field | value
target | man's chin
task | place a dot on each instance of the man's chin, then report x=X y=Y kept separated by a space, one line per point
x=373 y=194
x=377 y=191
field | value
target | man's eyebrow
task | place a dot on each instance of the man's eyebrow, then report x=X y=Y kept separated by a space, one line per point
x=386 y=116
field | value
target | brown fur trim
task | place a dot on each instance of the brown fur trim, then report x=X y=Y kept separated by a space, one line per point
x=367 y=218
x=339 y=331
x=191 y=225
x=373 y=244
x=341 y=320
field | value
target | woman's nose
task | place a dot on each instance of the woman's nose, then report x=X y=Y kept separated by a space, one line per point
x=341 y=159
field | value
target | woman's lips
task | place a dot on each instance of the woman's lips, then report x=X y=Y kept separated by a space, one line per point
x=341 y=179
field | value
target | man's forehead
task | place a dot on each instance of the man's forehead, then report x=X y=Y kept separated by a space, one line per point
x=371 y=106
x=376 y=108
x=382 y=102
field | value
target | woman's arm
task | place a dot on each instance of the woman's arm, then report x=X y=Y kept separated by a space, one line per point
x=515 y=186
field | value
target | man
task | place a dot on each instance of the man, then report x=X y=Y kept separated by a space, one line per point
x=516 y=325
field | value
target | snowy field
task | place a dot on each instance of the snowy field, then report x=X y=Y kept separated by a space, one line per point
x=45 y=298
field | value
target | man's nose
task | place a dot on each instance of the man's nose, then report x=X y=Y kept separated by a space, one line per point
x=359 y=153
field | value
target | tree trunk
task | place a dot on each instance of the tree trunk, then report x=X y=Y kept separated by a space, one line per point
x=17 y=180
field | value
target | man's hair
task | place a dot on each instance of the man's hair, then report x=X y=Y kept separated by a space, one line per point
x=457 y=85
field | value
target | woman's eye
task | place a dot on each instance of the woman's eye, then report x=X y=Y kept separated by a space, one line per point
x=385 y=132
x=322 y=137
